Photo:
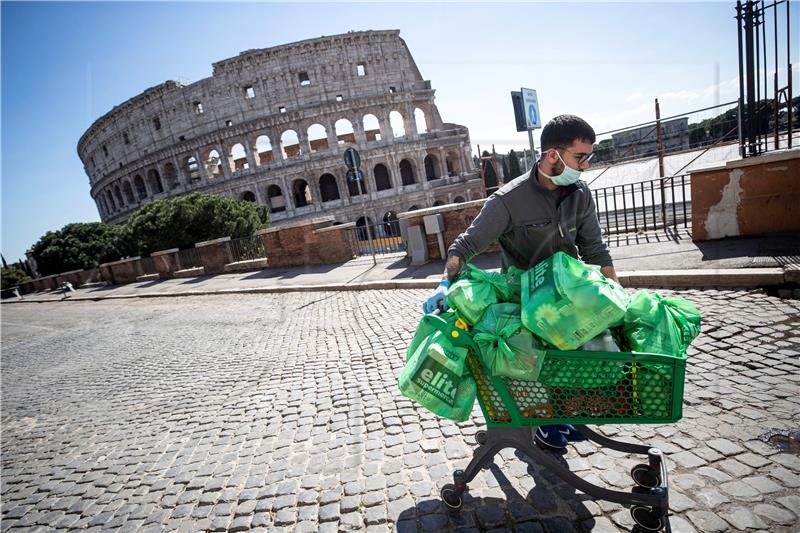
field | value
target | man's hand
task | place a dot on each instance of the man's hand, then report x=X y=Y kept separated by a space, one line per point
x=438 y=299
x=609 y=272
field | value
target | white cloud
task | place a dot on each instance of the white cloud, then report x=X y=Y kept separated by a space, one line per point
x=635 y=96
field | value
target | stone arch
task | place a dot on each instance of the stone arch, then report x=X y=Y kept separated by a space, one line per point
x=301 y=193
x=155 y=181
x=290 y=144
x=248 y=196
x=190 y=168
x=264 y=152
x=364 y=225
x=459 y=200
x=391 y=226
x=372 y=128
x=277 y=202
x=431 y=166
x=421 y=121
x=453 y=162
x=382 y=180
x=437 y=203
x=213 y=163
x=239 y=157
x=128 y=191
x=317 y=138
x=170 y=175
x=328 y=188
x=407 y=172
x=398 y=124
x=141 y=190
x=355 y=187
x=344 y=132
x=111 y=201
x=413 y=208
x=118 y=196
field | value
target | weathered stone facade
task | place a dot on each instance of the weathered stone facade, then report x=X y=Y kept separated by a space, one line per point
x=270 y=126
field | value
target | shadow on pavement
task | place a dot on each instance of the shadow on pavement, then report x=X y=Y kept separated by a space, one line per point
x=763 y=246
x=198 y=279
x=551 y=505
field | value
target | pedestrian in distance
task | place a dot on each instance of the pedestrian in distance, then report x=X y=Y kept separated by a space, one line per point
x=546 y=210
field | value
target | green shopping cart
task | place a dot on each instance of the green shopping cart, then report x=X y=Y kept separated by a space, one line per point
x=579 y=388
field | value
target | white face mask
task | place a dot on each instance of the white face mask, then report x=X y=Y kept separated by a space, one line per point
x=567 y=177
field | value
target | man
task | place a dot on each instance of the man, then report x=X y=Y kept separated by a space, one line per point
x=536 y=215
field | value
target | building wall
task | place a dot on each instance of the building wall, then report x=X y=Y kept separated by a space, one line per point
x=269 y=125
x=644 y=141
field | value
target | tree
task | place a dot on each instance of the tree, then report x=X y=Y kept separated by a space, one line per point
x=506 y=172
x=12 y=276
x=489 y=174
x=80 y=245
x=182 y=221
x=513 y=164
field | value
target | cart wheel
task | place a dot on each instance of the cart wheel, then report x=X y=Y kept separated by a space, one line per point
x=480 y=437
x=451 y=496
x=646 y=518
x=645 y=477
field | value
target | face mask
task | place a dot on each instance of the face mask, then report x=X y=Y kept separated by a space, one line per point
x=567 y=177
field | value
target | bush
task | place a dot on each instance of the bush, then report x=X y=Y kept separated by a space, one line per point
x=80 y=245
x=12 y=276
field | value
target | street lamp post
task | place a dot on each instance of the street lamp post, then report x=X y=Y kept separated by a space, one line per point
x=354 y=174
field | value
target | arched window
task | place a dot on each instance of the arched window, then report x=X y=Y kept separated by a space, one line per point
x=191 y=168
x=118 y=196
x=128 y=190
x=277 y=202
x=458 y=200
x=155 y=181
x=170 y=175
x=453 y=163
x=419 y=118
x=328 y=188
x=382 y=181
x=239 y=157
x=301 y=193
x=407 y=172
x=141 y=190
x=213 y=164
x=372 y=128
x=362 y=226
x=111 y=201
x=431 y=164
x=317 y=138
x=391 y=226
x=248 y=196
x=437 y=203
x=344 y=132
x=398 y=124
x=413 y=208
x=263 y=150
x=290 y=144
x=353 y=187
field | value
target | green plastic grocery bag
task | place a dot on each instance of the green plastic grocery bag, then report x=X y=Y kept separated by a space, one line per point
x=476 y=290
x=435 y=377
x=506 y=348
x=567 y=302
x=657 y=324
x=514 y=279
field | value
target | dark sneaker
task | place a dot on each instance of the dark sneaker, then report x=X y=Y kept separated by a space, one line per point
x=550 y=436
x=570 y=433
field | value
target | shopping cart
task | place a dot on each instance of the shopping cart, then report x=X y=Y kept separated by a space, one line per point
x=577 y=387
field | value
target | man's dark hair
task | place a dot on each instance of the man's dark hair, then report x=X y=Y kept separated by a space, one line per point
x=563 y=130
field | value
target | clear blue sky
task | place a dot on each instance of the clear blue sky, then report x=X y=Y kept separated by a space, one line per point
x=66 y=64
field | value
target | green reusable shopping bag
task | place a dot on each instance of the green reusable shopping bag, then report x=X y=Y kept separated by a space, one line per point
x=514 y=279
x=435 y=377
x=567 y=302
x=424 y=330
x=656 y=324
x=476 y=290
x=506 y=348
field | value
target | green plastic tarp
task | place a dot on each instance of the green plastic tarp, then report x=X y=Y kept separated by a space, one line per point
x=567 y=302
x=506 y=348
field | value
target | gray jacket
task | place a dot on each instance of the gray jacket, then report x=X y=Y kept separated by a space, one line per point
x=532 y=223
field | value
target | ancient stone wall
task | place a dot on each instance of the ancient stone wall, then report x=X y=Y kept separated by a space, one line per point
x=270 y=126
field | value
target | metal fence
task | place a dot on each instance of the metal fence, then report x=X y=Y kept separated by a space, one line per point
x=644 y=206
x=148 y=266
x=376 y=239
x=188 y=258
x=247 y=249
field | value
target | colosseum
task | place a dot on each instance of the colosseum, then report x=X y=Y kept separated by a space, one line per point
x=270 y=126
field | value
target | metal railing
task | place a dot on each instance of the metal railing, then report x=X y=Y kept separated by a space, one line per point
x=378 y=239
x=188 y=258
x=644 y=206
x=148 y=266
x=247 y=249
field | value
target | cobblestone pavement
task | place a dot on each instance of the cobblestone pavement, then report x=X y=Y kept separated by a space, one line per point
x=281 y=412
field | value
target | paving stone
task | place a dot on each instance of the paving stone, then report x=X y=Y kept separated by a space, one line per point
x=763 y=484
x=490 y=516
x=710 y=498
x=687 y=459
x=775 y=514
x=743 y=518
x=725 y=447
x=558 y=524
x=708 y=522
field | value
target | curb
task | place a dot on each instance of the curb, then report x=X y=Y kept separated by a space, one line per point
x=704 y=278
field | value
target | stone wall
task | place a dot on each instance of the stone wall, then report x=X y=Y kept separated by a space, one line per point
x=751 y=196
x=123 y=271
x=317 y=242
x=166 y=262
x=214 y=255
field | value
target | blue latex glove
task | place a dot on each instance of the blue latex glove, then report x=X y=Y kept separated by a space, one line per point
x=438 y=299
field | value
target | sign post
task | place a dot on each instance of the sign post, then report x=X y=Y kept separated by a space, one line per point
x=530 y=105
x=353 y=162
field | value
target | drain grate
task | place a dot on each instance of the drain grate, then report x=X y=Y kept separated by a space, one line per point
x=786 y=440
